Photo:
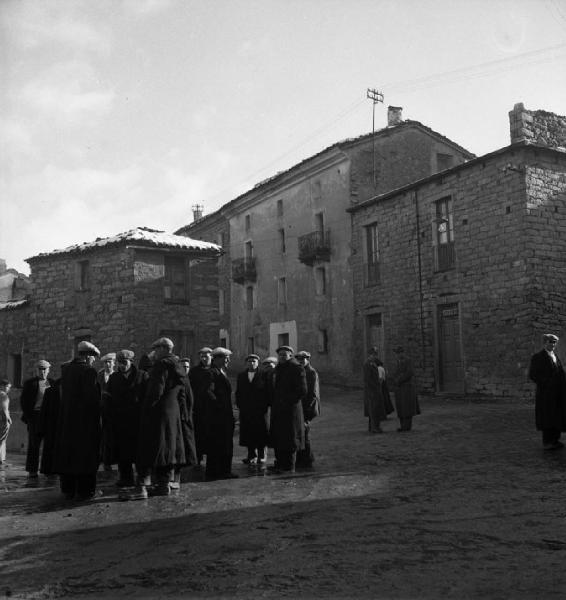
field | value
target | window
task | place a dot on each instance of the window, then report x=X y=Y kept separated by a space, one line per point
x=445 y=257
x=223 y=342
x=279 y=208
x=82 y=275
x=248 y=221
x=282 y=240
x=320 y=281
x=322 y=341
x=14 y=374
x=176 y=280
x=283 y=339
x=372 y=273
x=221 y=239
x=249 y=297
x=317 y=190
x=248 y=249
x=184 y=341
x=444 y=161
x=319 y=220
x=221 y=301
x=251 y=345
x=282 y=291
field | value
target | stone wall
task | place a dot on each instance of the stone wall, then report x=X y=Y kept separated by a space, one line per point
x=500 y=254
x=537 y=127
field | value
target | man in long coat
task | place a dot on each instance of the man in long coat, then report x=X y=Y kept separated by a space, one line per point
x=77 y=448
x=252 y=402
x=199 y=378
x=287 y=432
x=187 y=423
x=547 y=372
x=106 y=449
x=126 y=390
x=219 y=418
x=160 y=446
x=311 y=408
x=31 y=401
x=406 y=399
x=375 y=407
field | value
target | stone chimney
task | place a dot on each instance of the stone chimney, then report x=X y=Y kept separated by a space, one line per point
x=394 y=115
x=197 y=212
x=537 y=127
x=2 y=266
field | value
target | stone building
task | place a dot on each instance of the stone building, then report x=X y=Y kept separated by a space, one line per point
x=286 y=276
x=467 y=268
x=120 y=292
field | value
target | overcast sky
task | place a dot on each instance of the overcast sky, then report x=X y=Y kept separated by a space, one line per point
x=116 y=114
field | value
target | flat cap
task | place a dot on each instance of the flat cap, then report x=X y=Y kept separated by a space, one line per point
x=373 y=350
x=550 y=337
x=205 y=350
x=163 y=341
x=109 y=356
x=125 y=355
x=85 y=347
x=303 y=354
x=255 y=356
x=43 y=363
x=219 y=351
x=286 y=348
x=269 y=359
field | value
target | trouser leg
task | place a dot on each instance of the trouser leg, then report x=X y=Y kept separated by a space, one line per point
x=285 y=459
x=305 y=457
x=86 y=485
x=68 y=485
x=34 y=443
x=406 y=423
x=550 y=436
x=126 y=473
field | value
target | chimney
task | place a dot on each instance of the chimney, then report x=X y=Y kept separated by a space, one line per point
x=394 y=115
x=197 y=212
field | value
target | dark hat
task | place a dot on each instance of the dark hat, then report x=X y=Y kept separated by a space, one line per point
x=219 y=351
x=205 y=350
x=185 y=359
x=164 y=342
x=125 y=355
x=85 y=347
x=398 y=349
x=269 y=359
x=303 y=354
x=255 y=356
x=286 y=348
x=550 y=337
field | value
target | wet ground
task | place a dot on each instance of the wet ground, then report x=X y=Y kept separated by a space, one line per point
x=467 y=505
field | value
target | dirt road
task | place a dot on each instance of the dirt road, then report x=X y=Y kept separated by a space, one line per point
x=465 y=506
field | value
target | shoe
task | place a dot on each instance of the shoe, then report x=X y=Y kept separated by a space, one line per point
x=139 y=493
x=33 y=475
x=246 y=461
x=160 y=490
x=122 y=483
x=378 y=430
x=108 y=468
x=175 y=485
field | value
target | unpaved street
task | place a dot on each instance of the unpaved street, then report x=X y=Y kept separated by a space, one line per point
x=465 y=506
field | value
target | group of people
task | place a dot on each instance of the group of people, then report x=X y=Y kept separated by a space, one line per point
x=153 y=419
x=377 y=399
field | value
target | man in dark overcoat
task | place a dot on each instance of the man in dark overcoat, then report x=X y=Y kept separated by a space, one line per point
x=31 y=401
x=126 y=390
x=311 y=408
x=547 y=372
x=375 y=407
x=77 y=447
x=187 y=423
x=406 y=398
x=160 y=446
x=287 y=433
x=106 y=449
x=252 y=402
x=199 y=378
x=219 y=418
x=48 y=417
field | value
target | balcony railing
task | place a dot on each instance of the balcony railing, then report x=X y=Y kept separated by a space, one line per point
x=372 y=273
x=243 y=269
x=445 y=256
x=314 y=246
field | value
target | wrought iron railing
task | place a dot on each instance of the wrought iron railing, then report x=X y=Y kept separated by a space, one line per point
x=244 y=269
x=314 y=246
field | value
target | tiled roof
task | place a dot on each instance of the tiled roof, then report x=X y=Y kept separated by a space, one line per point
x=12 y=304
x=140 y=236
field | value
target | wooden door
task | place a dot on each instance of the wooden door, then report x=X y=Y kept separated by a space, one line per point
x=451 y=367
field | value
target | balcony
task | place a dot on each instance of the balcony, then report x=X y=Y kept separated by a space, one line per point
x=314 y=246
x=243 y=269
x=445 y=257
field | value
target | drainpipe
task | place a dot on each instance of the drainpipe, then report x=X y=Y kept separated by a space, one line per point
x=421 y=295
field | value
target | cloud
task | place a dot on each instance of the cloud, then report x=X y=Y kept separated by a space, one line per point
x=17 y=138
x=146 y=7
x=70 y=90
x=35 y=24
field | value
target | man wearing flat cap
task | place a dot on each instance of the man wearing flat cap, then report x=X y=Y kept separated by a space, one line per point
x=109 y=366
x=160 y=447
x=219 y=444
x=311 y=408
x=406 y=398
x=77 y=448
x=547 y=372
x=31 y=401
x=126 y=391
x=252 y=402
x=199 y=377
x=287 y=432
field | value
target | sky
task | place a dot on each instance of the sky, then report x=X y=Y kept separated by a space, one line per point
x=116 y=114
